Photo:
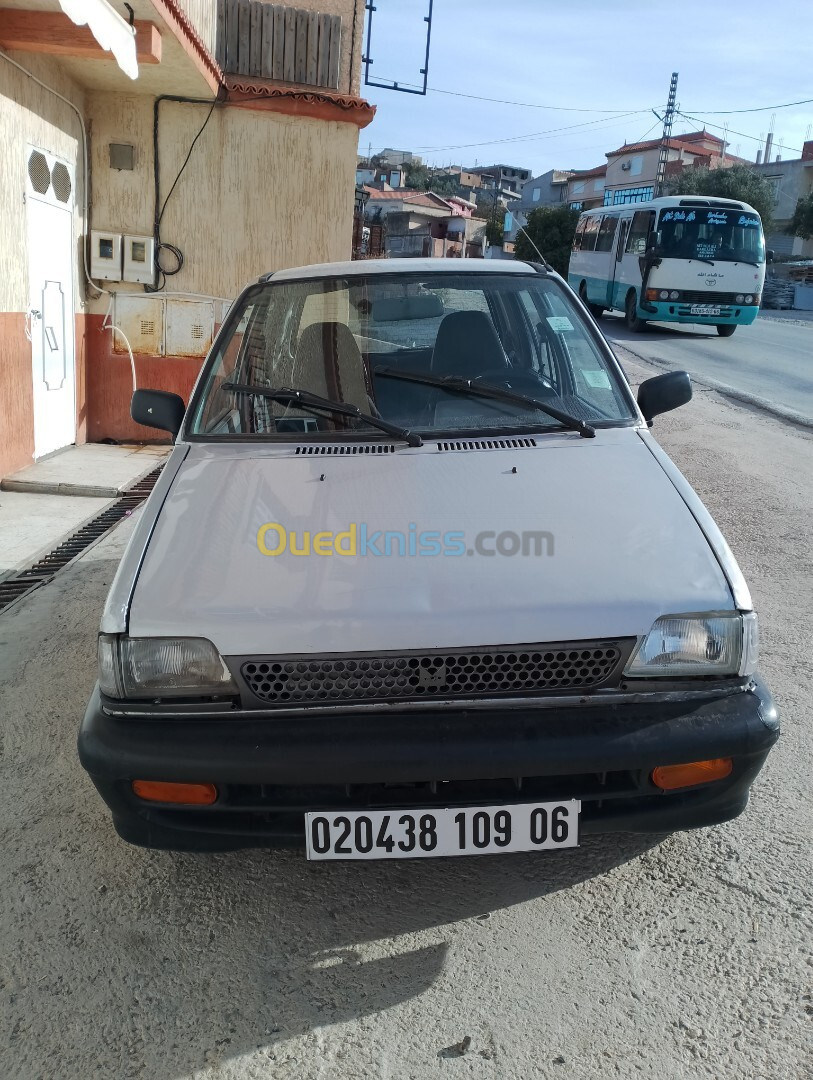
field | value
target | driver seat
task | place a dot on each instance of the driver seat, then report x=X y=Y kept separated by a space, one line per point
x=467 y=345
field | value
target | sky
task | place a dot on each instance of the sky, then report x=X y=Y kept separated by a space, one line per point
x=610 y=61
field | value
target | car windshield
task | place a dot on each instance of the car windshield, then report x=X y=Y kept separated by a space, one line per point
x=703 y=233
x=359 y=340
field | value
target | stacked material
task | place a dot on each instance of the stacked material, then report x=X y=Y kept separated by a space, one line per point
x=777 y=293
x=802 y=272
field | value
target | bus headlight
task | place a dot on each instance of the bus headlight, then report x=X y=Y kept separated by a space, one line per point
x=749 y=299
x=740 y=298
x=674 y=294
x=664 y=294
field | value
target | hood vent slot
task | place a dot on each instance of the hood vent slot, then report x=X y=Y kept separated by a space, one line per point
x=486 y=444
x=352 y=448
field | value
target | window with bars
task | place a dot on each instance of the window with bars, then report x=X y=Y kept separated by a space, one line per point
x=621 y=196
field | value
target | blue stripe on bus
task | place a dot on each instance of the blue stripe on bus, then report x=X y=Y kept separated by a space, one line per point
x=597 y=294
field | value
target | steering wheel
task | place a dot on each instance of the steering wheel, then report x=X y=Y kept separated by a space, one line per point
x=521 y=382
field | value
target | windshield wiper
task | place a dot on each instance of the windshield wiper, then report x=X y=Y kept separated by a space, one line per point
x=460 y=385
x=698 y=258
x=309 y=402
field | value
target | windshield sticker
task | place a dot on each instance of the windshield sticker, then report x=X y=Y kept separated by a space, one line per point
x=598 y=379
x=678 y=215
x=706 y=251
x=717 y=217
x=743 y=220
x=559 y=323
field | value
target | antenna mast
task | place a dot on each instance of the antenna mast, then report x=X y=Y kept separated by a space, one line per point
x=668 y=120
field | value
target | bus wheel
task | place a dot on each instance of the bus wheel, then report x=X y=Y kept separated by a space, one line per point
x=725 y=329
x=595 y=309
x=631 y=314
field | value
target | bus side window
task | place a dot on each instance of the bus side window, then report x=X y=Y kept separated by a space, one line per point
x=590 y=233
x=642 y=222
x=622 y=236
x=606 y=233
x=577 y=239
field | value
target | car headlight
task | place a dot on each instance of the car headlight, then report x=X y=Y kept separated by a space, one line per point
x=698 y=645
x=161 y=667
x=664 y=294
x=739 y=298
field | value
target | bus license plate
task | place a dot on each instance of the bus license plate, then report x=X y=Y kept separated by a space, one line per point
x=425 y=834
x=703 y=309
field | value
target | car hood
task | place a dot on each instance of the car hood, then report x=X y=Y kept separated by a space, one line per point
x=621 y=547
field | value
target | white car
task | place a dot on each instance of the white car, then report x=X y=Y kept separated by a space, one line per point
x=416 y=580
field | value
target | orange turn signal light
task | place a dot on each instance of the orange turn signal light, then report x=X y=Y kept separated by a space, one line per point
x=652 y=294
x=670 y=777
x=162 y=791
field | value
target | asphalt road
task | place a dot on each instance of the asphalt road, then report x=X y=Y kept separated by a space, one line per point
x=637 y=958
x=770 y=361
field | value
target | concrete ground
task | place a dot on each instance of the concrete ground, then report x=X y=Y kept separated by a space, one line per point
x=667 y=958
x=45 y=502
x=31 y=525
x=769 y=363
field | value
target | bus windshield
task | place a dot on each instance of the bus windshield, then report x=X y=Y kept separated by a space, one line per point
x=728 y=235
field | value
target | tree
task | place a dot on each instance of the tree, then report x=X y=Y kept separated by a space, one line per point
x=552 y=229
x=489 y=208
x=801 y=223
x=416 y=176
x=738 y=182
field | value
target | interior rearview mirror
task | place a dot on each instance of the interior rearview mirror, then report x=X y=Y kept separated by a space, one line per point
x=158 y=409
x=663 y=393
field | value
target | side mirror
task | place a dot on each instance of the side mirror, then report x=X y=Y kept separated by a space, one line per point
x=158 y=409
x=769 y=255
x=652 y=243
x=663 y=393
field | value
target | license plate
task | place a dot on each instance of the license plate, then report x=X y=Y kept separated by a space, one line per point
x=426 y=834
x=703 y=309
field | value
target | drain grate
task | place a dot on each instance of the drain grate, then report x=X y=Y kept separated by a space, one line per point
x=19 y=584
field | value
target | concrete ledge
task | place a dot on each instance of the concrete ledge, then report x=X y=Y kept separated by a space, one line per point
x=94 y=470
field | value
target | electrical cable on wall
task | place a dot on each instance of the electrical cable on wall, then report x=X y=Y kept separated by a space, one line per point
x=162 y=272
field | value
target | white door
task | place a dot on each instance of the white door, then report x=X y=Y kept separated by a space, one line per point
x=49 y=205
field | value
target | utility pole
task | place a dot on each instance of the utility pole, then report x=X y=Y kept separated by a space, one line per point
x=668 y=120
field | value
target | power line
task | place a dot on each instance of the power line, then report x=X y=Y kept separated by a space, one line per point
x=742 y=134
x=761 y=108
x=573 y=108
x=526 y=138
x=504 y=101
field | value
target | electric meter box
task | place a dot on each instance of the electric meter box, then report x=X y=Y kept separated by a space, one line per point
x=139 y=254
x=105 y=255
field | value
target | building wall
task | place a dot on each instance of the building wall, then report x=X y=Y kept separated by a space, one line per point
x=30 y=115
x=618 y=177
x=792 y=180
x=262 y=191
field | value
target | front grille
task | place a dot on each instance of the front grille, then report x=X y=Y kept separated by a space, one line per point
x=709 y=296
x=470 y=673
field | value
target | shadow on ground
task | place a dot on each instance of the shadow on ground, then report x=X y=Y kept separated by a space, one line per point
x=124 y=962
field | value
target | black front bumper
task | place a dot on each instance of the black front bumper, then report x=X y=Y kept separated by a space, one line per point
x=270 y=769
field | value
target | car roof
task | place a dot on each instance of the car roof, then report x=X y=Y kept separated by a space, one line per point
x=367 y=267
